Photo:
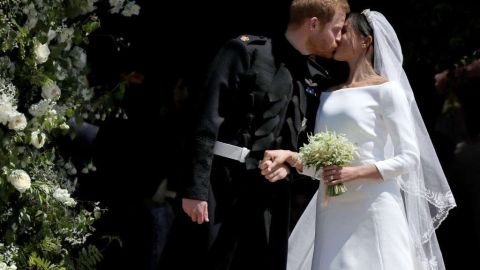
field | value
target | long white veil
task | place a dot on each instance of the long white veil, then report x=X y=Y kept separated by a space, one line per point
x=426 y=193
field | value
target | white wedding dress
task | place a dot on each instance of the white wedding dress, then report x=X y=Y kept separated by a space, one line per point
x=364 y=228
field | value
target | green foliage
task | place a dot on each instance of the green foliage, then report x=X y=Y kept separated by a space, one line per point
x=89 y=258
x=43 y=84
x=39 y=263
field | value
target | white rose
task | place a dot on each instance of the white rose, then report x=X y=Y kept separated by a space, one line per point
x=50 y=90
x=17 y=121
x=20 y=180
x=38 y=139
x=41 y=53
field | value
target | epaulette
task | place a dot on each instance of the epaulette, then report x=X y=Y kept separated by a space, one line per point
x=252 y=40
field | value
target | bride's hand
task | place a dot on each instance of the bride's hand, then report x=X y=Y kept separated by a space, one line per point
x=333 y=175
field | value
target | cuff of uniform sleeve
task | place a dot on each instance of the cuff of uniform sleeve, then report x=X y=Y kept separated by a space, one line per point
x=195 y=193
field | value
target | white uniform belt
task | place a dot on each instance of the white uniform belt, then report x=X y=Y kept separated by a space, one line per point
x=230 y=151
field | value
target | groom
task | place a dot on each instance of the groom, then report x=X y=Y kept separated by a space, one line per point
x=260 y=94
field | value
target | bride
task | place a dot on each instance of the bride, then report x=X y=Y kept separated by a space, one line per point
x=397 y=192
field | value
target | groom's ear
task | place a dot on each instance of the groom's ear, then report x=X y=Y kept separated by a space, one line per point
x=313 y=23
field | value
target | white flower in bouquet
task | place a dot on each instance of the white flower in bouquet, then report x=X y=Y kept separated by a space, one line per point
x=116 y=5
x=87 y=93
x=79 y=57
x=41 y=108
x=51 y=35
x=60 y=72
x=37 y=139
x=17 y=121
x=41 y=53
x=32 y=14
x=50 y=90
x=66 y=36
x=64 y=126
x=89 y=6
x=131 y=9
x=5 y=111
x=20 y=180
x=7 y=101
x=52 y=113
x=326 y=149
x=4 y=266
x=63 y=196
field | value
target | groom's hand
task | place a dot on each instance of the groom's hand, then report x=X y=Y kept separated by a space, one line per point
x=274 y=160
x=197 y=210
x=277 y=173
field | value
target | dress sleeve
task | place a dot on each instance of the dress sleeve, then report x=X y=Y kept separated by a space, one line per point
x=228 y=66
x=399 y=125
x=310 y=171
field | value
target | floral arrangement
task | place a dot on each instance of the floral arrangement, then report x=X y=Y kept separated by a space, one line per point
x=326 y=149
x=43 y=85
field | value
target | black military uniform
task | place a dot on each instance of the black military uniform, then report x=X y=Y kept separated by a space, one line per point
x=260 y=94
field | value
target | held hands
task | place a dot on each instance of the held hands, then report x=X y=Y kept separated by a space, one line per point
x=273 y=166
x=197 y=210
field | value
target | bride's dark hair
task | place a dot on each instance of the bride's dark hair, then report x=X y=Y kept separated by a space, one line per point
x=361 y=27
x=360 y=24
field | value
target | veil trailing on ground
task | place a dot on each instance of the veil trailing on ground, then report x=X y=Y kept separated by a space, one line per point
x=426 y=192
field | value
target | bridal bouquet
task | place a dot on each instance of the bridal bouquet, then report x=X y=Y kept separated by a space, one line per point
x=326 y=149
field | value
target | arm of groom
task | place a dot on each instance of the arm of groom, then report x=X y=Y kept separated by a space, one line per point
x=231 y=62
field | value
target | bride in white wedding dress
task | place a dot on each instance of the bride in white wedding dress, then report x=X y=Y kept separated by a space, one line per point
x=397 y=192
